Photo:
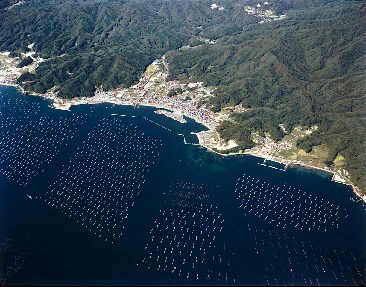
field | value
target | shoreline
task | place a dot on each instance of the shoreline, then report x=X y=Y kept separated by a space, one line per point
x=294 y=164
x=67 y=104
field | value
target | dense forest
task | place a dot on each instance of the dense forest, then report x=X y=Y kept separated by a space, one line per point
x=307 y=69
x=109 y=42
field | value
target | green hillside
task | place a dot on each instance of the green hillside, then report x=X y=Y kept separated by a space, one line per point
x=108 y=42
x=309 y=69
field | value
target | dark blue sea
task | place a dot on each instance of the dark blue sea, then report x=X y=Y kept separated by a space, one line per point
x=111 y=195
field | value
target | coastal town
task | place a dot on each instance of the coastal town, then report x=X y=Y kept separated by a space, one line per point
x=10 y=69
x=154 y=90
x=183 y=142
x=178 y=100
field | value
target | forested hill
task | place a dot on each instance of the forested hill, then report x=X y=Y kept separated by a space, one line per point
x=108 y=42
x=309 y=69
x=305 y=67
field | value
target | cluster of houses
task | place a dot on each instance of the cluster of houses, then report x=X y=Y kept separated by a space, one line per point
x=266 y=15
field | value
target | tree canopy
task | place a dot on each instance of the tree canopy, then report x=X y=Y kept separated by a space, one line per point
x=308 y=69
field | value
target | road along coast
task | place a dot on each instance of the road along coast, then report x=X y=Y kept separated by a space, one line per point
x=177 y=100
